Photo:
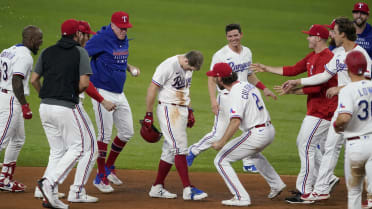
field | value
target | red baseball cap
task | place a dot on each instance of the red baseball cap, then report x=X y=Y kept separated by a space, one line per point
x=121 y=19
x=318 y=30
x=84 y=27
x=361 y=7
x=332 y=25
x=69 y=27
x=220 y=69
x=356 y=62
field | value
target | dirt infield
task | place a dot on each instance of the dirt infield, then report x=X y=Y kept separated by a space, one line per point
x=134 y=192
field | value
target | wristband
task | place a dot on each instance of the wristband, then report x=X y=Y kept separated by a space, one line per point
x=149 y=114
x=260 y=85
x=190 y=109
x=92 y=92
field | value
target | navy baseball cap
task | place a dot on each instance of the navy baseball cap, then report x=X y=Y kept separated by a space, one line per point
x=220 y=69
x=121 y=19
x=356 y=62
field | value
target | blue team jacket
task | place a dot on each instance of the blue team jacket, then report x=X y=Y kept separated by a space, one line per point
x=109 y=57
x=365 y=39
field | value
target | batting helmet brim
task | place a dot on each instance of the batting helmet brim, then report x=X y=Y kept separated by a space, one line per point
x=151 y=134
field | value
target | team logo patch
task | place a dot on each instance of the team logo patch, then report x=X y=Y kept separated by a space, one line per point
x=342 y=106
x=232 y=111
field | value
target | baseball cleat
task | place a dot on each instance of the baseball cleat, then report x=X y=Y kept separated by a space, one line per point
x=50 y=200
x=250 y=169
x=111 y=175
x=158 y=191
x=192 y=193
x=276 y=192
x=81 y=197
x=11 y=186
x=235 y=202
x=296 y=199
x=37 y=194
x=315 y=197
x=190 y=158
x=102 y=183
x=333 y=183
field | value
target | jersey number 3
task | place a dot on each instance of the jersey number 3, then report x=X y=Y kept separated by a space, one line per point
x=4 y=70
x=364 y=108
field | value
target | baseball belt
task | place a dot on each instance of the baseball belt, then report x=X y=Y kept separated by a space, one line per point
x=173 y=104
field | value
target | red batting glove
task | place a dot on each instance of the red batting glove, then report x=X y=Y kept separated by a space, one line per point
x=191 y=118
x=27 y=114
x=148 y=120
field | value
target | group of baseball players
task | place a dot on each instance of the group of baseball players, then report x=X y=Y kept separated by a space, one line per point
x=339 y=110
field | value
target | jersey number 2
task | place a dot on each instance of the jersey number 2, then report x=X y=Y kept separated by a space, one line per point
x=258 y=101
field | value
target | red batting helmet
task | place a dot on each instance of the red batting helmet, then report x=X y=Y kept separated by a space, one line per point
x=356 y=62
x=150 y=134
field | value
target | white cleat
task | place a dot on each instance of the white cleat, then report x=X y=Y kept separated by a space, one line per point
x=81 y=197
x=51 y=199
x=192 y=193
x=158 y=191
x=113 y=178
x=102 y=184
x=276 y=192
x=235 y=202
x=315 y=197
x=39 y=195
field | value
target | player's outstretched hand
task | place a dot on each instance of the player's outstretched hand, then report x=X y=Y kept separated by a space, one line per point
x=279 y=90
x=268 y=93
x=288 y=85
x=148 y=120
x=217 y=145
x=27 y=114
x=191 y=118
x=258 y=67
x=109 y=106
x=331 y=92
x=215 y=107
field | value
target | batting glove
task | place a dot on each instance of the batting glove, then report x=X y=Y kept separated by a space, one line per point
x=191 y=118
x=148 y=120
x=27 y=114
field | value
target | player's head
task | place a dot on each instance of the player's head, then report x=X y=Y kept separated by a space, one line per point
x=85 y=32
x=233 y=34
x=223 y=74
x=356 y=63
x=194 y=60
x=318 y=35
x=120 y=24
x=32 y=38
x=331 y=28
x=360 y=14
x=344 y=29
x=70 y=29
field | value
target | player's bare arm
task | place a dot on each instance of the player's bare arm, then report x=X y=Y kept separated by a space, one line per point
x=212 y=94
x=258 y=67
x=252 y=78
x=341 y=122
x=151 y=95
x=230 y=131
x=17 y=85
x=35 y=81
x=333 y=91
x=297 y=90
x=134 y=71
x=83 y=83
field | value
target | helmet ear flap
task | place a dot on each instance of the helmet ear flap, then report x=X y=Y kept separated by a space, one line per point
x=151 y=134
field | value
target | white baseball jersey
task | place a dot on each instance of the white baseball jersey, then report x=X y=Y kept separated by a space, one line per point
x=174 y=82
x=356 y=99
x=239 y=63
x=16 y=60
x=247 y=104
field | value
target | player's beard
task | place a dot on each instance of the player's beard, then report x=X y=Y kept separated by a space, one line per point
x=359 y=22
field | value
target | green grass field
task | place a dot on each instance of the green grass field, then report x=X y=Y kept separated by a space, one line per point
x=163 y=28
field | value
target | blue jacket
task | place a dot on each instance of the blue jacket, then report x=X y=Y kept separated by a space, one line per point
x=365 y=39
x=109 y=57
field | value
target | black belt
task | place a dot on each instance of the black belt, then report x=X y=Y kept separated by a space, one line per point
x=353 y=138
x=262 y=125
x=173 y=104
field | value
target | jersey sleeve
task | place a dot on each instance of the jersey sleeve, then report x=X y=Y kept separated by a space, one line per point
x=84 y=66
x=21 y=65
x=298 y=68
x=94 y=46
x=317 y=79
x=236 y=110
x=161 y=75
x=39 y=64
x=345 y=101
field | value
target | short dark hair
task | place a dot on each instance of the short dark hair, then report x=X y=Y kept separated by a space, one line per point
x=195 y=59
x=231 y=79
x=71 y=36
x=233 y=26
x=346 y=26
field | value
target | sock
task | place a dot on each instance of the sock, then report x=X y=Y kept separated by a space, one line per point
x=163 y=171
x=102 y=149
x=181 y=165
x=116 y=147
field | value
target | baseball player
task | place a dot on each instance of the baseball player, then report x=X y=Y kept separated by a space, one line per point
x=172 y=79
x=65 y=69
x=316 y=123
x=239 y=58
x=109 y=52
x=363 y=29
x=354 y=122
x=344 y=35
x=15 y=68
x=247 y=112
